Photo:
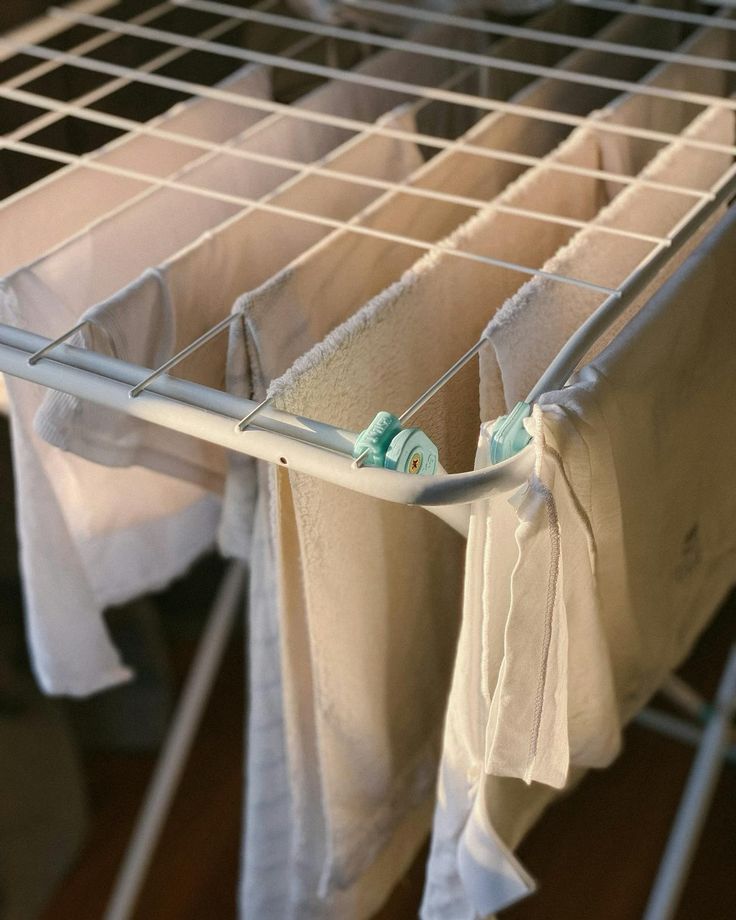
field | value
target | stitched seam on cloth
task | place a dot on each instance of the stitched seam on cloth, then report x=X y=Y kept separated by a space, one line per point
x=553 y=530
x=575 y=500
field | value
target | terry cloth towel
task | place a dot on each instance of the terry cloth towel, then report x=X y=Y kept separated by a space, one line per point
x=76 y=196
x=359 y=782
x=501 y=724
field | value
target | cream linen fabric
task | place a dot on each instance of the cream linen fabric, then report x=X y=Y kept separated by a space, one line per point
x=505 y=718
x=77 y=196
x=359 y=782
x=622 y=464
x=637 y=421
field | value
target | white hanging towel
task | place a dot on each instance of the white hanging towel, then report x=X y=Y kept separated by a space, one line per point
x=511 y=718
x=82 y=548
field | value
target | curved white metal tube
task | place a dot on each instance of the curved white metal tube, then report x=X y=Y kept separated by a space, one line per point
x=302 y=444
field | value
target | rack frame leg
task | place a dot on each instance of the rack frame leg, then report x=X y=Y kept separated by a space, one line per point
x=696 y=799
x=177 y=745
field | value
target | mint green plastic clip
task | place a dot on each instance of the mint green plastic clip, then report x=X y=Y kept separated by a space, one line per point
x=509 y=435
x=385 y=443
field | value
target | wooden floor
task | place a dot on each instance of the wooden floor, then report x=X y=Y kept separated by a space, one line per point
x=594 y=854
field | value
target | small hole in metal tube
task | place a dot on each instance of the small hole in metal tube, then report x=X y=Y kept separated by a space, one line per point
x=282 y=460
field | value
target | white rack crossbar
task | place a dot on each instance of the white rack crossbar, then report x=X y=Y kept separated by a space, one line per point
x=400 y=86
x=137 y=128
x=622 y=49
x=424 y=140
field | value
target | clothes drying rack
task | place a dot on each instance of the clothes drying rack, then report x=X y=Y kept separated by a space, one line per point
x=312 y=446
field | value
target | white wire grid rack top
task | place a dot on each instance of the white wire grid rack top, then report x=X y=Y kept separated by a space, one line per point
x=72 y=39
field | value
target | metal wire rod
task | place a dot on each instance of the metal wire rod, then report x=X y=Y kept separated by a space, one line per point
x=685 y=697
x=138 y=128
x=181 y=355
x=419 y=14
x=41 y=28
x=260 y=205
x=106 y=89
x=248 y=419
x=401 y=86
x=401 y=44
x=227 y=606
x=575 y=349
x=530 y=112
x=90 y=44
x=431 y=391
x=444 y=379
x=654 y=12
x=42 y=352
x=679 y=729
x=425 y=140
x=696 y=800
x=159 y=61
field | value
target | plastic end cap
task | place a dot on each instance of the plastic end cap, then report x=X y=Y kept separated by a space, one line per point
x=376 y=439
x=509 y=434
x=386 y=444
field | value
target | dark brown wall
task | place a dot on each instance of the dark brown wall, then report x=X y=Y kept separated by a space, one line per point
x=13 y=12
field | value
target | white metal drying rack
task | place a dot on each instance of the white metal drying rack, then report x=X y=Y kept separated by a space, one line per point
x=307 y=445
